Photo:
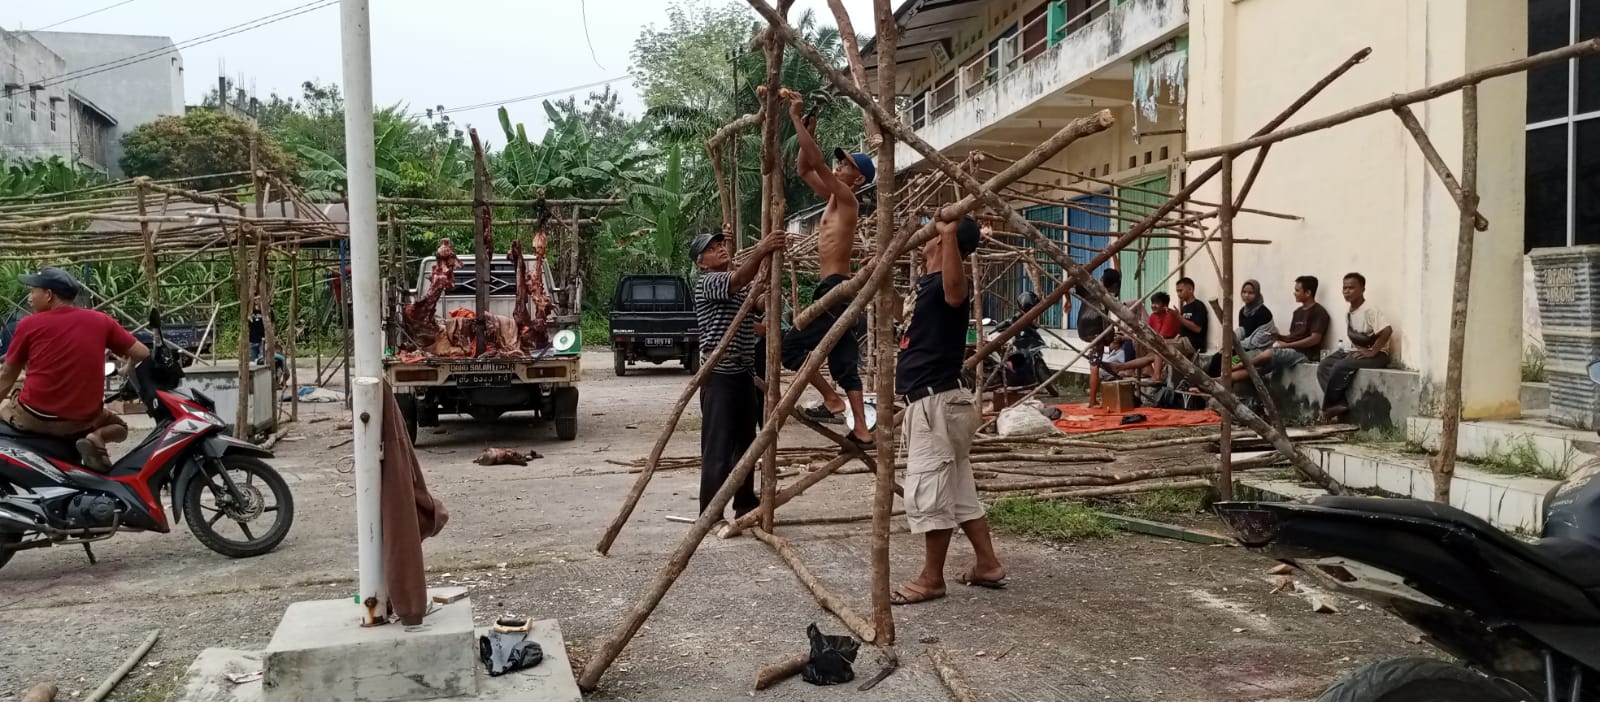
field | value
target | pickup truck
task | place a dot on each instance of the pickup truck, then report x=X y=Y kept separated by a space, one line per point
x=652 y=319
x=188 y=337
x=544 y=381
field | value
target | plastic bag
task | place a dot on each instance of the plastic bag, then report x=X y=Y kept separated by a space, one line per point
x=1024 y=419
x=831 y=658
x=502 y=653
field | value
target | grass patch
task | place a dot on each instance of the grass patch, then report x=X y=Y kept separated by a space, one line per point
x=596 y=330
x=1520 y=456
x=1047 y=519
x=1161 y=503
x=690 y=423
x=1533 y=364
x=1394 y=438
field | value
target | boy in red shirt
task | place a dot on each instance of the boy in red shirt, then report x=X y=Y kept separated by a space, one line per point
x=63 y=348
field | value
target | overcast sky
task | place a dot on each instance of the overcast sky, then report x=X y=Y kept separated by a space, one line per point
x=425 y=52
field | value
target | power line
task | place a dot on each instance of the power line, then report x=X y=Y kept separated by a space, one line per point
x=536 y=96
x=225 y=32
x=583 y=8
x=79 y=17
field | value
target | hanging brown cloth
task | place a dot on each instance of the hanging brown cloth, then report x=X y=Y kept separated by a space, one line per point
x=409 y=515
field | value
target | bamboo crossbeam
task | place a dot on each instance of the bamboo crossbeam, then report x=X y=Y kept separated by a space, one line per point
x=1420 y=135
x=1554 y=56
x=1141 y=189
x=825 y=597
x=468 y=202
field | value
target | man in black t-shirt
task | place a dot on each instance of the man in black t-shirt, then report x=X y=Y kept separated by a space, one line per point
x=940 y=419
x=1193 y=317
x=1303 y=343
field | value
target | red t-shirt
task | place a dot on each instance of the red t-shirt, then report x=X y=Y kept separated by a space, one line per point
x=63 y=352
x=1165 y=324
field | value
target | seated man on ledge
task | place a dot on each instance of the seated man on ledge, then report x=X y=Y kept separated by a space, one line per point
x=1303 y=342
x=1369 y=341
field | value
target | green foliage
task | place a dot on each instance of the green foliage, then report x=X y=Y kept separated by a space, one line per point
x=1047 y=519
x=1165 y=502
x=1533 y=364
x=36 y=177
x=198 y=143
x=1521 y=456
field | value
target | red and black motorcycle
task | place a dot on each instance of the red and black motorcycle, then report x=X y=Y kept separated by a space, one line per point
x=48 y=498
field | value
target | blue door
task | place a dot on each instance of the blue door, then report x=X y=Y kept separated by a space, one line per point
x=1094 y=214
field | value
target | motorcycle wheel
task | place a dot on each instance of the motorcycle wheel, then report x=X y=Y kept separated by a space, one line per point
x=1415 y=680
x=258 y=481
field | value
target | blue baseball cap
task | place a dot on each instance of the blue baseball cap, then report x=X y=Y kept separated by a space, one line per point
x=55 y=280
x=863 y=163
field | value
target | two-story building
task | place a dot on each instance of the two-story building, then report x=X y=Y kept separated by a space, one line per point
x=1000 y=76
x=74 y=95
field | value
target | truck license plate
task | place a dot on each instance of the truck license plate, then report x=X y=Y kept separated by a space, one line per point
x=659 y=341
x=482 y=380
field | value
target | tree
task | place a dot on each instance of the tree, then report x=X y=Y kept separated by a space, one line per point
x=34 y=177
x=199 y=143
x=687 y=72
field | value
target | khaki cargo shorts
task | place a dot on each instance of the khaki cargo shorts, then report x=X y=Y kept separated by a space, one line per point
x=13 y=413
x=940 y=492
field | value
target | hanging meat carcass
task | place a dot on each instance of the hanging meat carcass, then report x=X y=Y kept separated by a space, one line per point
x=421 y=324
x=534 y=324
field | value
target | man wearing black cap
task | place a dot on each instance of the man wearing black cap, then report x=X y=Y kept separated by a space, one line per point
x=730 y=406
x=836 y=236
x=63 y=348
x=940 y=419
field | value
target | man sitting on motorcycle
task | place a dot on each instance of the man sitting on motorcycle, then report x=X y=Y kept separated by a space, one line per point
x=63 y=347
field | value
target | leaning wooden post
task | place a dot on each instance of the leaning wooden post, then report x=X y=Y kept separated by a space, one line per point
x=1445 y=466
x=883 y=333
x=706 y=365
x=241 y=257
x=1225 y=224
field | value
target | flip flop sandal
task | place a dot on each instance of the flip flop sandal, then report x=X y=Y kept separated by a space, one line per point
x=909 y=594
x=863 y=445
x=969 y=581
x=821 y=413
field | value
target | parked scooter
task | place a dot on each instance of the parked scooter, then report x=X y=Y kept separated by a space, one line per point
x=1522 y=619
x=48 y=498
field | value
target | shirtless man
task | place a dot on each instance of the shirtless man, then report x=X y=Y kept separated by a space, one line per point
x=835 y=241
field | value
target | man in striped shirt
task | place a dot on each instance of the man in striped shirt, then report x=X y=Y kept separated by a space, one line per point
x=730 y=406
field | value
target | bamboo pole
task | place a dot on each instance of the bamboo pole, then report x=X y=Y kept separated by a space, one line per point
x=780 y=671
x=1445 y=463
x=1148 y=191
x=483 y=242
x=1177 y=199
x=294 y=335
x=953 y=681
x=884 y=346
x=671 y=425
x=858 y=71
x=1554 y=56
x=783 y=497
x=242 y=427
x=825 y=597
x=1132 y=488
x=149 y=263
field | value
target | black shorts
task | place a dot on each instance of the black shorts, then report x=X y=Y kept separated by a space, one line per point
x=844 y=361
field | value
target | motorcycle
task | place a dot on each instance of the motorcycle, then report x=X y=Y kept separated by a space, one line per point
x=1521 y=619
x=48 y=498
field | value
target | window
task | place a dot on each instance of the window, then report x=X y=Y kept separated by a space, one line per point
x=33 y=107
x=11 y=107
x=1035 y=26
x=52 y=116
x=1563 y=130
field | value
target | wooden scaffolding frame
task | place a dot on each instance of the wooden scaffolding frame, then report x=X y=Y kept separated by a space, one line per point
x=898 y=234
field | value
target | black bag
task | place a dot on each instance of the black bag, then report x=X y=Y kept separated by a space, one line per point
x=1091 y=322
x=831 y=658
x=502 y=653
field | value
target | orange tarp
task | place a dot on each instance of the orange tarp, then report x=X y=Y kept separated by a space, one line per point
x=1082 y=419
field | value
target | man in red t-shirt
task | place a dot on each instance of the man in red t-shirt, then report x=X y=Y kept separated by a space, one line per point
x=63 y=348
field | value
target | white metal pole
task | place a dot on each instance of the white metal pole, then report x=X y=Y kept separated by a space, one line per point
x=367 y=339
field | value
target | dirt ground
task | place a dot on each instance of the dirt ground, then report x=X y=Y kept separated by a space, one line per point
x=1126 y=618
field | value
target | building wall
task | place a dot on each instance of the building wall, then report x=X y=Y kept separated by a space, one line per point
x=135 y=93
x=1369 y=201
x=27 y=134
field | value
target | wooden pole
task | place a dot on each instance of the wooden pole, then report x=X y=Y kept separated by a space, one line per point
x=1554 y=56
x=1078 y=272
x=957 y=685
x=1225 y=223
x=1409 y=119
x=711 y=360
x=884 y=346
x=483 y=244
x=780 y=671
x=1445 y=465
x=294 y=334
x=772 y=209
x=825 y=597
x=858 y=71
x=149 y=236
x=241 y=425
